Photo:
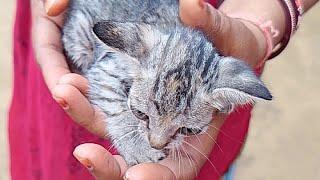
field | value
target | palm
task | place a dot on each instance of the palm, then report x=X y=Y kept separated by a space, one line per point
x=68 y=89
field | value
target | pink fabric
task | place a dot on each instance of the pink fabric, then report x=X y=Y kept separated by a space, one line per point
x=42 y=137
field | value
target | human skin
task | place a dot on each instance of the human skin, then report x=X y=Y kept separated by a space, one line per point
x=232 y=36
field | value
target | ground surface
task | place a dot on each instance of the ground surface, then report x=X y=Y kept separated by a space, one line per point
x=284 y=139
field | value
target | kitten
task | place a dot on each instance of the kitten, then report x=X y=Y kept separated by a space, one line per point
x=154 y=79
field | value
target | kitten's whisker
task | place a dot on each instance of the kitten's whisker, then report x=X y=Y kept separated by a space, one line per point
x=115 y=141
x=132 y=125
x=213 y=139
x=201 y=153
x=190 y=161
x=215 y=142
x=224 y=133
x=135 y=138
x=179 y=158
x=124 y=127
x=198 y=139
x=174 y=155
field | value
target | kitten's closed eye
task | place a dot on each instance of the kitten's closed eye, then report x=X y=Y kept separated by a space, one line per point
x=189 y=131
x=140 y=115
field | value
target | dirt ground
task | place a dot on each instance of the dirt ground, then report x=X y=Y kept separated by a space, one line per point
x=284 y=138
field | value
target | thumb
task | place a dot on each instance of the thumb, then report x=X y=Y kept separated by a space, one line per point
x=231 y=36
x=148 y=171
x=55 y=7
x=199 y=14
x=99 y=162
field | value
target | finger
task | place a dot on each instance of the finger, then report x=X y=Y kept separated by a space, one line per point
x=99 y=162
x=49 y=51
x=55 y=7
x=79 y=108
x=192 y=12
x=50 y=56
x=75 y=80
x=198 y=13
x=214 y=24
x=205 y=141
x=231 y=36
x=182 y=165
x=149 y=171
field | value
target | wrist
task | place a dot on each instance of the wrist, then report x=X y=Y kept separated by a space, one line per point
x=263 y=41
x=254 y=43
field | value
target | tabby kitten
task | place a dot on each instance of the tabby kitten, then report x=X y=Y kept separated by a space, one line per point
x=154 y=79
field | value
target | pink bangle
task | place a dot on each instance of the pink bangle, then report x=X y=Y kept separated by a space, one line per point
x=292 y=14
x=300 y=10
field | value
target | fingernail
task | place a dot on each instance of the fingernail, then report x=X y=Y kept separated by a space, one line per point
x=126 y=176
x=80 y=156
x=48 y=5
x=202 y=4
x=63 y=103
x=87 y=164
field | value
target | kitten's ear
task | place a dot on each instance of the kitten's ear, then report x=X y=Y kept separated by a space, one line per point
x=124 y=36
x=236 y=84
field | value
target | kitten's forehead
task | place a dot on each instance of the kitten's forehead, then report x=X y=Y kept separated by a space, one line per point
x=172 y=94
x=183 y=58
x=174 y=89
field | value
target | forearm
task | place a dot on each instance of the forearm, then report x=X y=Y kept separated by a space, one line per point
x=307 y=4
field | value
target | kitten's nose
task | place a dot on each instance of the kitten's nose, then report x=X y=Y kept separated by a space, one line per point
x=157 y=142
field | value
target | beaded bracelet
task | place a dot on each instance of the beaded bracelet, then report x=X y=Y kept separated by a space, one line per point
x=294 y=12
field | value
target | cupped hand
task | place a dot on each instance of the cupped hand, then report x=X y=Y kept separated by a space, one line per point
x=67 y=88
x=183 y=164
x=232 y=36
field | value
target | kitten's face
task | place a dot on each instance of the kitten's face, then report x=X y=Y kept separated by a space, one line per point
x=168 y=97
x=168 y=117
x=178 y=79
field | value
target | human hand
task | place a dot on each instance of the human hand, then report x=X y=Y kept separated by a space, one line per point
x=67 y=88
x=105 y=166
x=231 y=36
x=184 y=164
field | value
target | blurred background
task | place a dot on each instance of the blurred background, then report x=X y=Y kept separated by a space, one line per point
x=284 y=137
x=6 y=24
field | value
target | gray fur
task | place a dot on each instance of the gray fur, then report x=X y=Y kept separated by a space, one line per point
x=154 y=79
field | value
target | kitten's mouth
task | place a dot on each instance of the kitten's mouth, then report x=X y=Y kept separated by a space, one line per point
x=166 y=151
